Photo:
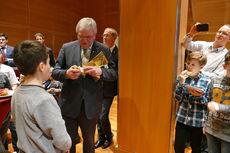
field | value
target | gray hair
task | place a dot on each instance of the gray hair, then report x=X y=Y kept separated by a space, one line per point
x=86 y=24
x=226 y=25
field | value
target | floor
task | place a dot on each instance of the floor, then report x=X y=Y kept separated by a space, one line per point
x=113 y=120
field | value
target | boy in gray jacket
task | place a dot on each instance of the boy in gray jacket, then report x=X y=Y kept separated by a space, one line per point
x=217 y=128
x=39 y=124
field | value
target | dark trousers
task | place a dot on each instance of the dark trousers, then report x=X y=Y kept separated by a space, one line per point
x=14 y=136
x=3 y=132
x=185 y=133
x=103 y=125
x=87 y=126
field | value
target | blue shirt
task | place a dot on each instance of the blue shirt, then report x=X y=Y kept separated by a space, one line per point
x=192 y=110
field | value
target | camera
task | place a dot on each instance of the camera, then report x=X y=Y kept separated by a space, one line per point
x=202 y=27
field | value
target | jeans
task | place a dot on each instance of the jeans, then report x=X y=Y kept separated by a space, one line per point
x=216 y=145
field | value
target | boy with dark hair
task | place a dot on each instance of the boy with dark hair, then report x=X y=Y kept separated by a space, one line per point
x=217 y=126
x=38 y=120
x=192 y=96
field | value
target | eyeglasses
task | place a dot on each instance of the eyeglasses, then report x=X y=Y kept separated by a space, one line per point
x=86 y=37
x=106 y=35
x=222 y=33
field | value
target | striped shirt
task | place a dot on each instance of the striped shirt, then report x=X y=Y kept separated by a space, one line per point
x=192 y=110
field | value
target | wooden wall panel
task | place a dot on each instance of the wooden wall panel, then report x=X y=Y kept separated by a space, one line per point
x=21 y=19
x=15 y=34
x=147 y=41
x=105 y=13
x=14 y=12
x=60 y=39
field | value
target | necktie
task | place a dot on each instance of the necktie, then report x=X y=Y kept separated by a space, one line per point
x=3 y=55
x=85 y=57
x=2 y=50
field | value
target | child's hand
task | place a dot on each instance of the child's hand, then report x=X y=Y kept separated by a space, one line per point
x=204 y=132
x=182 y=77
x=213 y=107
x=51 y=90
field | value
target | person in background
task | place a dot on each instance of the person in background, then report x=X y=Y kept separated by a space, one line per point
x=217 y=127
x=40 y=38
x=105 y=135
x=192 y=95
x=40 y=127
x=214 y=51
x=82 y=94
x=9 y=72
x=6 y=50
x=4 y=83
x=53 y=87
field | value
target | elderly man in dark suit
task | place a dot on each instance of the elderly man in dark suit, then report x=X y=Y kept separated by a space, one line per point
x=105 y=135
x=82 y=94
x=6 y=50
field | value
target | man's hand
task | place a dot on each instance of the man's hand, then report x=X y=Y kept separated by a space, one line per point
x=73 y=73
x=93 y=71
x=193 y=29
x=213 y=107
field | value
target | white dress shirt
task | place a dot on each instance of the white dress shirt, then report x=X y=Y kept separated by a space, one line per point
x=215 y=56
x=9 y=72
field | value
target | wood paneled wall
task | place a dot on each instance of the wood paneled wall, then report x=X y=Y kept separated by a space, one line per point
x=21 y=19
x=147 y=41
x=106 y=13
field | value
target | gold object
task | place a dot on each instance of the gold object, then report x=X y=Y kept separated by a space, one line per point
x=99 y=60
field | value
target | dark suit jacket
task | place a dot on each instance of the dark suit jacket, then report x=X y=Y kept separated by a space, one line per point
x=51 y=56
x=9 y=56
x=74 y=91
x=110 y=88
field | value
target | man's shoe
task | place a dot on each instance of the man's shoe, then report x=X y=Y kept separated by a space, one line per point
x=99 y=143
x=107 y=143
x=78 y=139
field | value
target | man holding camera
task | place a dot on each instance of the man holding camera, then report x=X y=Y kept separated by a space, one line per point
x=215 y=51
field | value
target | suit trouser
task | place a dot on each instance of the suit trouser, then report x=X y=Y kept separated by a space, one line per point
x=87 y=126
x=103 y=125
